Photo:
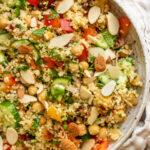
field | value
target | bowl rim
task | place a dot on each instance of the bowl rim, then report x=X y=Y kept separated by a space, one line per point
x=146 y=87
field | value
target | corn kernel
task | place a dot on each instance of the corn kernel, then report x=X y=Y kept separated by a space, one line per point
x=48 y=36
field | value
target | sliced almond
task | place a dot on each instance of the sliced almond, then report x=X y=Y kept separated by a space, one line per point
x=114 y=71
x=93 y=14
x=11 y=136
x=96 y=51
x=40 y=87
x=63 y=6
x=93 y=116
x=108 y=88
x=28 y=99
x=1 y=143
x=27 y=77
x=61 y=41
x=85 y=94
x=88 y=144
x=109 y=53
x=112 y=23
x=87 y=73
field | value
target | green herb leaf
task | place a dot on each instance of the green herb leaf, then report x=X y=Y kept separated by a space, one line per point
x=54 y=74
x=86 y=137
x=36 y=123
x=65 y=126
x=24 y=68
x=19 y=26
x=17 y=12
x=53 y=16
x=54 y=53
x=40 y=61
x=39 y=32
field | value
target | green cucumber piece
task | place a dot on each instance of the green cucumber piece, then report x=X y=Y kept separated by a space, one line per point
x=101 y=42
x=2 y=58
x=9 y=115
x=17 y=43
x=104 y=78
x=110 y=39
x=58 y=88
x=61 y=81
x=4 y=37
x=36 y=55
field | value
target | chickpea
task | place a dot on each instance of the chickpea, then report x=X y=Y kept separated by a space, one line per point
x=37 y=107
x=42 y=96
x=102 y=135
x=137 y=81
x=32 y=90
x=133 y=98
x=48 y=36
x=77 y=50
x=73 y=67
x=94 y=129
x=42 y=121
x=84 y=65
x=119 y=115
x=35 y=13
x=3 y=22
x=27 y=19
x=82 y=129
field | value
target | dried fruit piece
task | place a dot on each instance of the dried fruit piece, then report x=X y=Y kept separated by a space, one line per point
x=68 y=145
x=100 y=64
x=73 y=130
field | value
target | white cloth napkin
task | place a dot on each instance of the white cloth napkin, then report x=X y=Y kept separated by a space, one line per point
x=140 y=9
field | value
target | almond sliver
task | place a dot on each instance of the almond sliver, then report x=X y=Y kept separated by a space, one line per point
x=93 y=14
x=108 y=88
x=63 y=6
x=11 y=136
x=1 y=143
x=113 y=24
x=28 y=99
x=61 y=41
x=88 y=144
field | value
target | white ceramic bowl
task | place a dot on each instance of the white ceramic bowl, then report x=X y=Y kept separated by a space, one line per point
x=141 y=56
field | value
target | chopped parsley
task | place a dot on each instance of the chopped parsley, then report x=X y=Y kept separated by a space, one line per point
x=36 y=123
x=54 y=73
x=24 y=68
x=39 y=32
x=65 y=126
x=17 y=12
x=53 y=16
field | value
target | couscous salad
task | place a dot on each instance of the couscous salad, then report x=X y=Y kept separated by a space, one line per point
x=67 y=75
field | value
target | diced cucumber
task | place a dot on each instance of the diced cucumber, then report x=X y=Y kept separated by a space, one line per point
x=17 y=43
x=2 y=58
x=4 y=37
x=61 y=81
x=36 y=55
x=104 y=78
x=101 y=42
x=58 y=88
x=9 y=115
x=110 y=39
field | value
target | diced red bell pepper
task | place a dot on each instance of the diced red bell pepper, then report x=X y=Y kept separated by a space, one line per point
x=11 y=81
x=66 y=25
x=8 y=146
x=56 y=23
x=89 y=31
x=33 y=2
x=101 y=146
x=84 y=55
x=48 y=62
x=124 y=26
